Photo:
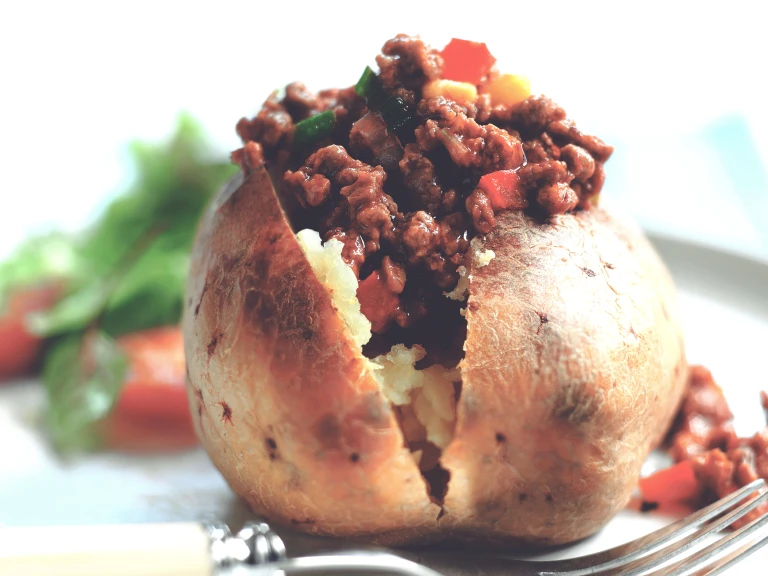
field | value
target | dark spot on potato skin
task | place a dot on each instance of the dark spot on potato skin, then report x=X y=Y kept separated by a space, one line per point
x=308 y=335
x=577 y=403
x=226 y=412
x=500 y=438
x=273 y=239
x=271 y=448
x=548 y=497
x=648 y=506
x=543 y=319
x=306 y=521
x=328 y=432
x=589 y=272
x=213 y=344
x=202 y=295
x=189 y=302
x=473 y=306
x=354 y=457
x=522 y=497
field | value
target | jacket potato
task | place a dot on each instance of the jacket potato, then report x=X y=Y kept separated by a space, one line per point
x=517 y=409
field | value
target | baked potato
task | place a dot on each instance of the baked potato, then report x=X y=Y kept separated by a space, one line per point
x=507 y=392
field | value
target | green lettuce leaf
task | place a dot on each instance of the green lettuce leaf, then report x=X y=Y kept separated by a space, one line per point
x=126 y=273
x=39 y=259
x=82 y=377
x=135 y=258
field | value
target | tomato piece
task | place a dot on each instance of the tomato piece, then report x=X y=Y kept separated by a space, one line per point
x=466 y=61
x=155 y=382
x=377 y=302
x=19 y=348
x=675 y=484
x=503 y=190
x=126 y=434
x=152 y=410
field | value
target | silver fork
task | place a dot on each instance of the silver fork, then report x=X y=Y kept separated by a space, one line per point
x=670 y=551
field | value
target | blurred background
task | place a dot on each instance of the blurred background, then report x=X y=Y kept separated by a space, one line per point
x=676 y=87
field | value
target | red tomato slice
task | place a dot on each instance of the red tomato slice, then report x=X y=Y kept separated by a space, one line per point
x=18 y=347
x=152 y=411
x=465 y=61
x=154 y=385
x=126 y=434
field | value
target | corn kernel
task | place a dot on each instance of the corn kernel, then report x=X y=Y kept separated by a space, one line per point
x=459 y=92
x=508 y=89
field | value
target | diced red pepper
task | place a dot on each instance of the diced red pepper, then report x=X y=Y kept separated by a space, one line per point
x=377 y=302
x=503 y=190
x=675 y=484
x=466 y=61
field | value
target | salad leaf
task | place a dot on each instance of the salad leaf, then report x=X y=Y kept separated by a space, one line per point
x=38 y=259
x=83 y=377
x=126 y=273
x=135 y=258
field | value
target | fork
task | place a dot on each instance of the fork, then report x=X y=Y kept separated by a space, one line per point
x=196 y=550
x=670 y=551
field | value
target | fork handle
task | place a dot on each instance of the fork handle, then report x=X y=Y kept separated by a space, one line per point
x=180 y=549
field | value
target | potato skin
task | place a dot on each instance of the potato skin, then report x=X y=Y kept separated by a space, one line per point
x=574 y=369
x=282 y=400
x=558 y=410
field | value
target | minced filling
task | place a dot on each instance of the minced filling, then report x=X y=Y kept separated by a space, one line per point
x=391 y=184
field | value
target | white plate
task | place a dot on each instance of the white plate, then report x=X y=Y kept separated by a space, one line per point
x=724 y=301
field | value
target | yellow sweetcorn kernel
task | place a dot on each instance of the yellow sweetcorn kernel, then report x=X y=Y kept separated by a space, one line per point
x=508 y=89
x=459 y=92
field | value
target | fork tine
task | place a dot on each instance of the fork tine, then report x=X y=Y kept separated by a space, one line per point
x=736 y=556
x=681 y=546
x=716 y=548
x=625 y=553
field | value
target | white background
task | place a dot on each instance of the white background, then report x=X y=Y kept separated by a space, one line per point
x=677 y=87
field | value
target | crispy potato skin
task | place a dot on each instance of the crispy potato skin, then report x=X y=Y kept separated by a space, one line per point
x=282 y=400
x=574 y=367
